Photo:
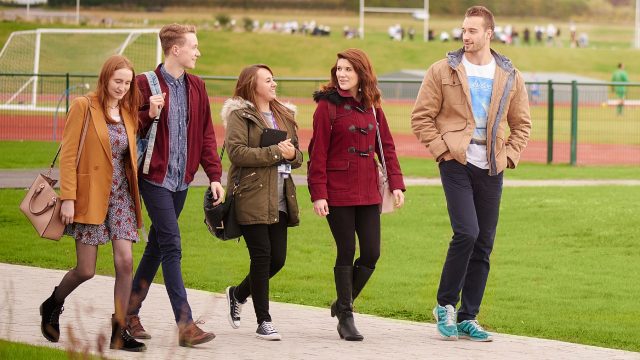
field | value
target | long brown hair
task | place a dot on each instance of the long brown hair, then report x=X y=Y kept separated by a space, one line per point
x=246 y=89
x=367 y=80
x=131 y=99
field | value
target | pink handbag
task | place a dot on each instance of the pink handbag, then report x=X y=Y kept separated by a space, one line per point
x=42 y=204
x=388 y=200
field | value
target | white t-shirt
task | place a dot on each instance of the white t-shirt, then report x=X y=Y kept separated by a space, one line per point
x=480 y=79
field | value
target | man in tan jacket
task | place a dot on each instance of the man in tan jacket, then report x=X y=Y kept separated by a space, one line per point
x=465 y=103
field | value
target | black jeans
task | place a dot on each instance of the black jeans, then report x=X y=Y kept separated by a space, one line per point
x=347 y=221
x=164 y=247
x=267 y=246
x=473 y=201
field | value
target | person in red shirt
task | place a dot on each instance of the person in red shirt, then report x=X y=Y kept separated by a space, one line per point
x=343 y=175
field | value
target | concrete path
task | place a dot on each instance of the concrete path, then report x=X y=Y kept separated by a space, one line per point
x=24 y=178
x=308 y=332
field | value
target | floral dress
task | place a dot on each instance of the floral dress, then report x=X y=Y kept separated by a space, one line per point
x=120 y=222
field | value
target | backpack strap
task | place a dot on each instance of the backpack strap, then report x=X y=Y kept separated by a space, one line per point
x=333 y=108
x=154 y=86
x=154 y=83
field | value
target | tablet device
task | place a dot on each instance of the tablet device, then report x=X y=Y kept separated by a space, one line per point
x=272 y=137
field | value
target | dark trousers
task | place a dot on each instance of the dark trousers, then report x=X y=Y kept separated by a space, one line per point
x=164 y=247
x=473 y=201
x=267 y=246
x=347 y=221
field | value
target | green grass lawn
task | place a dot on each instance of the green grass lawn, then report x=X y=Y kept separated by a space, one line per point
x=556 y=273
x=38 y=155
x=20 y=351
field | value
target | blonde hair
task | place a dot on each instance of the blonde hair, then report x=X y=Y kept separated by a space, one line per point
x=173 y=34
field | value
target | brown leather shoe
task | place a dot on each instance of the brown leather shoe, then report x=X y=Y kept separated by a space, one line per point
x=135 y=328
x=191 y=335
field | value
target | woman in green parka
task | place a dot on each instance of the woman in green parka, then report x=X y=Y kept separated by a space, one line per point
x=265 y=199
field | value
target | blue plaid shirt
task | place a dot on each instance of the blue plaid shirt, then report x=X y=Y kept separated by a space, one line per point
x=177 y=121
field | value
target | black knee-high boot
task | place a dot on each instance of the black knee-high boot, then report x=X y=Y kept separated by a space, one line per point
x=50 y=311
x=361 y=275
x=344 y=307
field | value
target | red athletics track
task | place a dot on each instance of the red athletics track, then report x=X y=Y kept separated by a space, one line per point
x=40 y=127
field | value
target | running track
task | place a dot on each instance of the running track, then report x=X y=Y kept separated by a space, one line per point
x=40 y=127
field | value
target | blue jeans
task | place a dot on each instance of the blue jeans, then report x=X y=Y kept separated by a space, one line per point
x=473 y=201
x=164 y=247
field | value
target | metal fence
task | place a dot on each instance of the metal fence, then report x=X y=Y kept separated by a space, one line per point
x=574 y=123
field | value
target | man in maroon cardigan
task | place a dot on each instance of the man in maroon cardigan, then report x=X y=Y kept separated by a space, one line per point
x=184 y=139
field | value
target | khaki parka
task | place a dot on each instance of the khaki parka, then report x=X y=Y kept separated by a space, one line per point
x=256 y=197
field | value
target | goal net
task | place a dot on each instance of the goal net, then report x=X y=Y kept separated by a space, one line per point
x=34 y=63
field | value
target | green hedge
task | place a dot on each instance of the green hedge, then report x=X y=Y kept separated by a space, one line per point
x=557 y=8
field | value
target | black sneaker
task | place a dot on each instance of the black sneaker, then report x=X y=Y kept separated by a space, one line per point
x=235 y=307
x=266 y=331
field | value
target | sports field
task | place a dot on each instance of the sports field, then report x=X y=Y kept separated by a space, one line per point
x=565 y=262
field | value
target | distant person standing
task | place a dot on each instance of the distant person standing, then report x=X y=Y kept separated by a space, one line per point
x=620 y=76
x=461 y=115
x=527 y=36
x=572 y=32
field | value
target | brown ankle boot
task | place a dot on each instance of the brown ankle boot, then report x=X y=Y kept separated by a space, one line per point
x=191 y=335
x=135 y=327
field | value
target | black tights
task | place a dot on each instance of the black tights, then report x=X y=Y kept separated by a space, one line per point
x=347 y=221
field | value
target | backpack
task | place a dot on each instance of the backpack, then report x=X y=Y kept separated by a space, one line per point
x=145 y=144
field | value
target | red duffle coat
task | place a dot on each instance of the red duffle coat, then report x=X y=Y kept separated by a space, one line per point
x=342 y=166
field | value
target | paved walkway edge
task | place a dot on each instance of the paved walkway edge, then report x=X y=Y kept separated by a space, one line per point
x=24 y=178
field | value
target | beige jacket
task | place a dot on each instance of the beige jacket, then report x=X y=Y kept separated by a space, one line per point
x=442 y=117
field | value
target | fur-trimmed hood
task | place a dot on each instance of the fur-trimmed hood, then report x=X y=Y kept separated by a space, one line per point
x=331 y=95
x=238 y=103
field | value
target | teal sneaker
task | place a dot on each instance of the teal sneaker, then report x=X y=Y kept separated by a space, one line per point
x=446 y=322
x=470 y=329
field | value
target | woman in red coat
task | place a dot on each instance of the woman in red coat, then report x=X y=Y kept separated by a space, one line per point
x=343 y=175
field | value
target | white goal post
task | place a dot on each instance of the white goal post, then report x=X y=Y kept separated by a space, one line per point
x=416 y=11
x=24 y=53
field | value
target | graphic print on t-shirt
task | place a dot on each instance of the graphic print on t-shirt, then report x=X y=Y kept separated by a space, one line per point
x=480 y=89
x=480 y=80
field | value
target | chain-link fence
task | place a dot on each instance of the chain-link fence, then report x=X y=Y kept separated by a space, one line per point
x=576 y=123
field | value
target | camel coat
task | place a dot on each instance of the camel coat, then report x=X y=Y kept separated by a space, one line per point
x=90 y=183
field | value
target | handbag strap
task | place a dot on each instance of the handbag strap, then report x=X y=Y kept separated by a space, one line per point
x=384 y=164
x=236 y=181
x=85 y=125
